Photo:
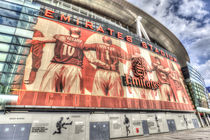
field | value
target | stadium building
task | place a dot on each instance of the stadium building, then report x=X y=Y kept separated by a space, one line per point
x=89 y=70
x=198 y=92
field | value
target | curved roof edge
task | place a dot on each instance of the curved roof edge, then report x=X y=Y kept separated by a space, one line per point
x=126 y=13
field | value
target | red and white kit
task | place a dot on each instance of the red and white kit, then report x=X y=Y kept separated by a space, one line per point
x=163 y=77
x=64 y=72
x=107 y=79
x=177 y=86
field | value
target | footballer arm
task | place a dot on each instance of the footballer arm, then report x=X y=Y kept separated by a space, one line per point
x=40 y=40
x=99 y=63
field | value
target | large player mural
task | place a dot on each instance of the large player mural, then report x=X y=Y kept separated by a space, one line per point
x=73 y=66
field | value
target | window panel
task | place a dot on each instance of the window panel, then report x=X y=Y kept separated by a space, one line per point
x=32 y=5
x=19 y=50
x=13 y=58
x=13 y=49
x=1 y=66
x=17 y=1
x=24 y=50
x=8 y=22
x=25 y=25
x=7 y=78
x=8 y=67
x=30 y=11
x=7 y=29
x=4 y=47
x=9 y=13
x=19 y=69
x=11 y=6
x=13 y=68
x=22 y=60
x=28 y=18
x=24 y=33
x=5 y=89
x=5 y=38
x=19 y=40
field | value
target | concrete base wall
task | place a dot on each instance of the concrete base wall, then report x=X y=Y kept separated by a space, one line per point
x=94 y=126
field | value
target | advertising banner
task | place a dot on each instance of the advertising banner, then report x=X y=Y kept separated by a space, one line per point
x=73 y=66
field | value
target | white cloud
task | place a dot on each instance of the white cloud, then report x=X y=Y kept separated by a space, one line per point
x=194 y=8
x=187 y=20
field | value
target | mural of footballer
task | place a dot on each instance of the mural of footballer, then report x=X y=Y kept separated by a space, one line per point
x=107 y=81
x=163 y=75
x=176 y=84
x=64 y=72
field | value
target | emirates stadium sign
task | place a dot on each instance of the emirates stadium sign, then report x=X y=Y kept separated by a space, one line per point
x=89 y=25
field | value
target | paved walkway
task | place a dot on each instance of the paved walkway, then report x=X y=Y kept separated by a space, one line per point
x=193 y=134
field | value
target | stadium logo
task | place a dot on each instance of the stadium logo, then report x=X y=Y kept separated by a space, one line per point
x=139 y=70
x=138 y=67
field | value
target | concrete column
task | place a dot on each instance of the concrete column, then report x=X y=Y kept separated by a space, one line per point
x=207 y=120
x=200 y=120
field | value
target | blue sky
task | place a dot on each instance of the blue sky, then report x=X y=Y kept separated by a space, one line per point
x=189 y=20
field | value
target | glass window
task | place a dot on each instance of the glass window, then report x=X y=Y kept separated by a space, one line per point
x=24 y=33
x=7 y=78
x=4 y=47
x=1 y=66
x=24 y=50
x=17 y=1
x=7 y=29
x=13 y=58
x=19 y=40
x=14 y=68
x=19 y=50
x=3 y=57
x=25 y=25
x=22 y=59
x=9 y=13
x=5 y=38
x=32 y=4
x=11 y=6
x=19 y=69
x=8 y=22
x=30 y=11
x=28 y=18
x=8 y=67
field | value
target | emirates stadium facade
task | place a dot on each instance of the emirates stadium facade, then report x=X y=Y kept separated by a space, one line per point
x=89 y=70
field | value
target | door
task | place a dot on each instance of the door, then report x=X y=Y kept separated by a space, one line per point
x=171 y=125
x=99 y=131
x=145 y=127
x=15 y=131
x=195 y=123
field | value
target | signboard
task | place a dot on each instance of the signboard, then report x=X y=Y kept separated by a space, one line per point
x=74 y=66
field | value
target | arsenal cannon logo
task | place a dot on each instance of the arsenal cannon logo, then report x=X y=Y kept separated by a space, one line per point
x=139 y=67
